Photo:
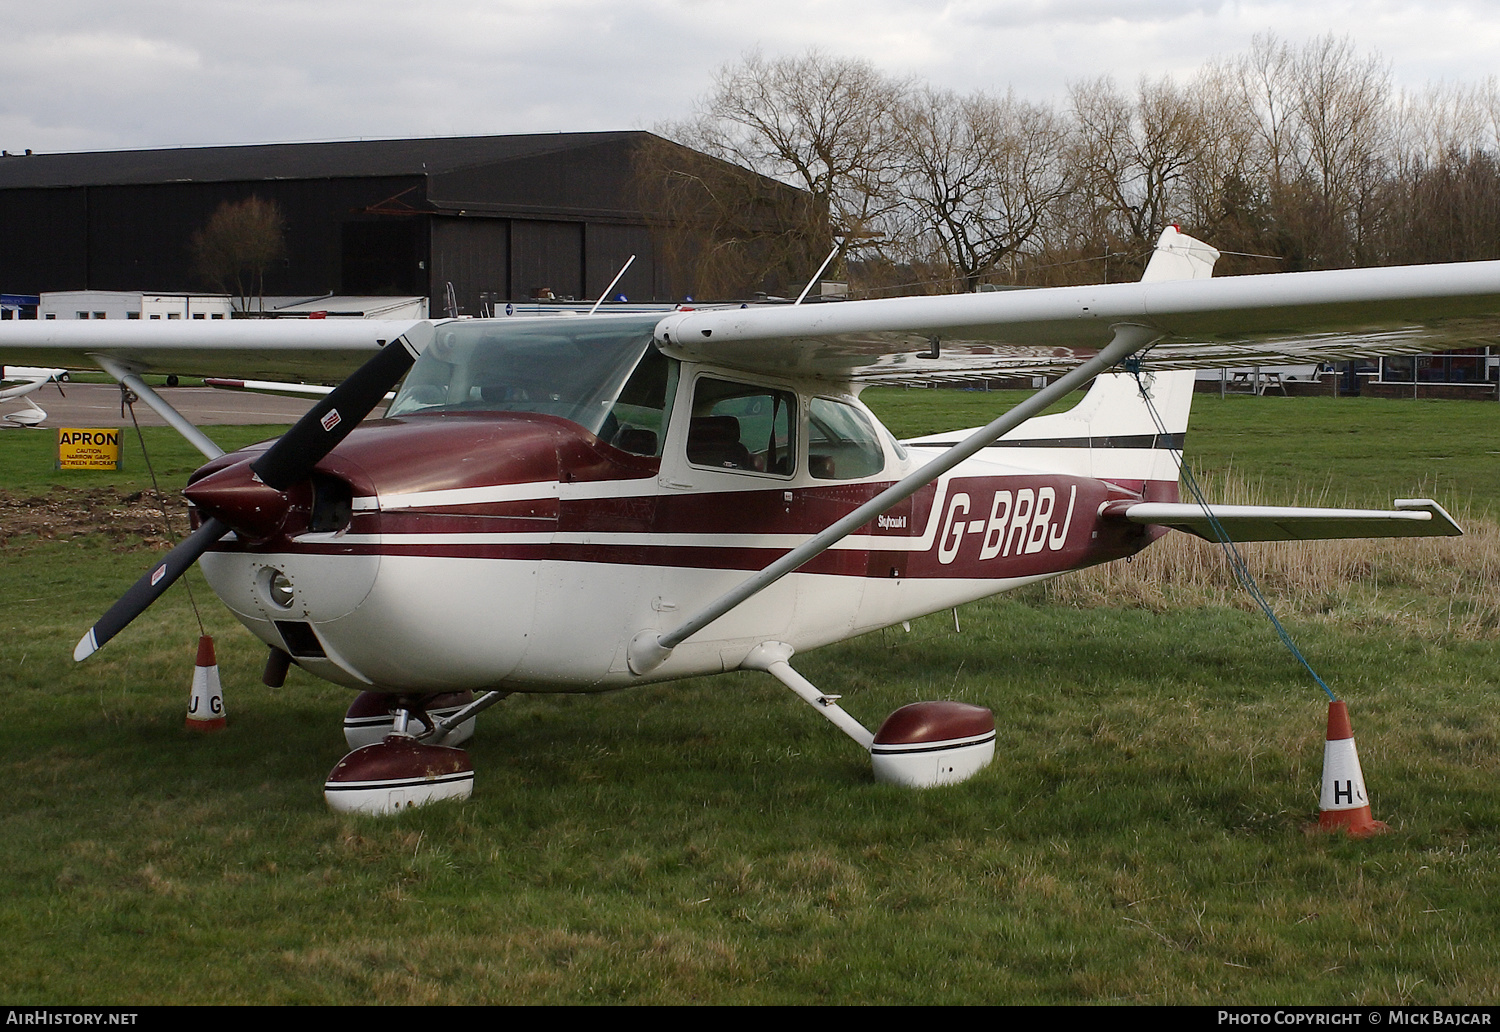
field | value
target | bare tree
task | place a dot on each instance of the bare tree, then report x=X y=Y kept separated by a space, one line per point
x=1444 y=119
x=1225 y=192
x=1264 y=82
x=817 y=122
x=1342 y=108
x=1444 y=178
x=723 y=231
x=1132 y=157
x=980 y=176
x=234 y=249
x=1321 y=127
x=1341 y=104
x=1294 y=155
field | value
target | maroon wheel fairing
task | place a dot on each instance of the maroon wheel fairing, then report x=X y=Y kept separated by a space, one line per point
x=933 y=743
x=928 y=722
x=396 y=774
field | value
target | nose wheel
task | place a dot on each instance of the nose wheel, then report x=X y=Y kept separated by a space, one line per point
x=398 y=772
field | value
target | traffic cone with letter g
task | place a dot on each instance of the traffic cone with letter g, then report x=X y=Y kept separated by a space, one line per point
x=1345 y=805
x=206 y=707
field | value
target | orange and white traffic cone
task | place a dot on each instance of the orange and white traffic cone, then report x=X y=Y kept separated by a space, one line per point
x=206 y=707
x=1345 y=804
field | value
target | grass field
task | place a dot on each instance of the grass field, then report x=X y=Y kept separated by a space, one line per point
x=1140 y=836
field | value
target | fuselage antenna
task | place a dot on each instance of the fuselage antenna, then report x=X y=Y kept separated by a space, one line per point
x=612 y=283
x=816 y=275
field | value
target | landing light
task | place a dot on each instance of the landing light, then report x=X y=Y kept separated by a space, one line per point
x=276 y=587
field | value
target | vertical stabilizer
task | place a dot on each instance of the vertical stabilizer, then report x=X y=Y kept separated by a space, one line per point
x=1123 y=440
x=1112 y=432
x=1179 y=257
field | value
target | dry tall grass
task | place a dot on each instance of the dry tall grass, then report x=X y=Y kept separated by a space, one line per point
x=1430 y=586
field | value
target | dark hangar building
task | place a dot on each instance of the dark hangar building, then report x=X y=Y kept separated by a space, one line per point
x=501 y=218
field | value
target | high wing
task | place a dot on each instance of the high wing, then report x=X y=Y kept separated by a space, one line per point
x=1196 y=323
x=273 y=387
x=273 y=349
x=1285 y=318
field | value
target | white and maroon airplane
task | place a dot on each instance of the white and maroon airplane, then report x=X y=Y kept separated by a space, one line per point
x=578 y=503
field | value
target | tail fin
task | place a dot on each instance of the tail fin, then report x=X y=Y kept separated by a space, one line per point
x=1112 y=425
x=1179 y=257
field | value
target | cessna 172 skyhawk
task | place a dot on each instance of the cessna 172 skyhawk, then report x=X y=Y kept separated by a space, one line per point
x=580 y=503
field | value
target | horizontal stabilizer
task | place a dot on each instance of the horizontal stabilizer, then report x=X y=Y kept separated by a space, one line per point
x=1411 y=517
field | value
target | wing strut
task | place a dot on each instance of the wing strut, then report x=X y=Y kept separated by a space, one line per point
x=128 y=375
x=648 y=650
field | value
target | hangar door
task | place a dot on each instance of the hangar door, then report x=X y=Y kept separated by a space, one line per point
x=546 y=255
x=383 y=258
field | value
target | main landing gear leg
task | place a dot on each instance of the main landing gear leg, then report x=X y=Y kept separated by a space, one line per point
x=399 y=772
x=921 y=745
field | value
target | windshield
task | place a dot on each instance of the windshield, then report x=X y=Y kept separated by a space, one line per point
x=569 y=366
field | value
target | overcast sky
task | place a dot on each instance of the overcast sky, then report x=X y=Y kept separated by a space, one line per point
x=112 y=74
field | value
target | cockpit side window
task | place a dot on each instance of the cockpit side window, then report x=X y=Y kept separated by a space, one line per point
x=737 y=426
x=638 y=421
x=841 y=443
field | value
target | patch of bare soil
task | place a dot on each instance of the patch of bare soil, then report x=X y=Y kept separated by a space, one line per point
x=128 y=521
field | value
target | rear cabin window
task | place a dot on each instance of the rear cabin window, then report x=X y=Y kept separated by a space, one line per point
x=737 y=426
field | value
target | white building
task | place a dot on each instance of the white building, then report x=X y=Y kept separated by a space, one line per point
x=131 y=304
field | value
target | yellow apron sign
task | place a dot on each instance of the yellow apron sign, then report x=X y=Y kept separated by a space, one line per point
x=80 y=448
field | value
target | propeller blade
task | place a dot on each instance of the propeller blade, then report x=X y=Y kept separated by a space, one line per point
x=293 y=457
x=288 y=461
x=149 y=588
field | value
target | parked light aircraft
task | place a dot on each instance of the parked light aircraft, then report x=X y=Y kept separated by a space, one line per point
x=27 y=379
x=581 y=503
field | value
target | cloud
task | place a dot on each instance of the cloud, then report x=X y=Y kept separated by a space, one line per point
x=90 y=74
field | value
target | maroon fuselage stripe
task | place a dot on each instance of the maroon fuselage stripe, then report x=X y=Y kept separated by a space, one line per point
x=997 y=527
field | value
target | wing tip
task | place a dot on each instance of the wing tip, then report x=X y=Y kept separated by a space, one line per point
x=1436 y=512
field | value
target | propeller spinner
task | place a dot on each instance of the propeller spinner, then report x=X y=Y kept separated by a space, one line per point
x=251 y=496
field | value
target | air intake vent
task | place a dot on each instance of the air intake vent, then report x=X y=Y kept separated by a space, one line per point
x=301 y=640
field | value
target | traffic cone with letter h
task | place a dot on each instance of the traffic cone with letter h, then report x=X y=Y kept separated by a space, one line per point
x=206 y=706
x=1345 y=805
